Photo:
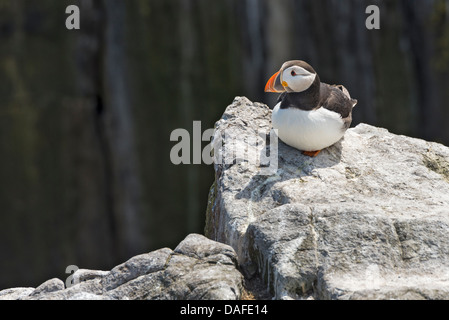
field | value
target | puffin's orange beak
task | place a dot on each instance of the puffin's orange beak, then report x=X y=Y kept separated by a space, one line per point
x=274 y=84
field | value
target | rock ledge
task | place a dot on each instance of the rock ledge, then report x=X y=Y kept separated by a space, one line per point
x=368 y=218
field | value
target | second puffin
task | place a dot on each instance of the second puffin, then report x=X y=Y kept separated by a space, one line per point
x=309 y=115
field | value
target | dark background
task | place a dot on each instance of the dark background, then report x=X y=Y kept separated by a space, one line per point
x=86 y=115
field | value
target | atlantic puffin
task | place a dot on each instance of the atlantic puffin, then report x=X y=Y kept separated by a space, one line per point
x=310 y=115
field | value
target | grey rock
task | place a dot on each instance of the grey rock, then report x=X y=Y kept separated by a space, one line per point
x=219 y=259
x=87 y=296
x=135 y=267
x=198 y=268
x=15 y=293
x=49 y=286
x=82 y=275
x=368 y=218
x=199 y=247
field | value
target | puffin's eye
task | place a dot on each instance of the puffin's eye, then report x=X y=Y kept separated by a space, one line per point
x=293 y=73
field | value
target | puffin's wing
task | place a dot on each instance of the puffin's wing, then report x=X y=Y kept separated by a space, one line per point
x=337 y=99
x=346 y=93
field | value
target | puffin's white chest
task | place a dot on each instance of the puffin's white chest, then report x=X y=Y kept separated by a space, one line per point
x=308 y=130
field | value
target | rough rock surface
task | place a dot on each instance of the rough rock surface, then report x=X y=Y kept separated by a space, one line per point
x=368 y=218
x=198 y=268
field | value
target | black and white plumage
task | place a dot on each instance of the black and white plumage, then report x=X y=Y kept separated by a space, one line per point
x=309 y=115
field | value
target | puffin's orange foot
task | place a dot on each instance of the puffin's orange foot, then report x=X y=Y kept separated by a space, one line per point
x=311 y=153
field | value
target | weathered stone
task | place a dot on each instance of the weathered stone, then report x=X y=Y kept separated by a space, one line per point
x=49 y=286
x=82 y=275
x=15 y=293
x=198 y=268
x=368 y=218
x=135 y=267
x=196 y=246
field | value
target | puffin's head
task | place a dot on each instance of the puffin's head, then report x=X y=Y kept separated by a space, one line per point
x=294 y=76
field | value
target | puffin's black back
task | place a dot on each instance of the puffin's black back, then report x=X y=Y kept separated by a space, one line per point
x=320 y=95
x=334 y=99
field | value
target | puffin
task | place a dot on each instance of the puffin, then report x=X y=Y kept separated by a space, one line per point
x=309 y=115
